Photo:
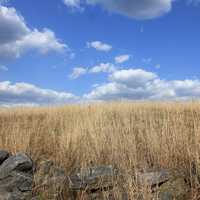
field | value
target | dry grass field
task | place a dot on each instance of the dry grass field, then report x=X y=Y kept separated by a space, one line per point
x=126 y=135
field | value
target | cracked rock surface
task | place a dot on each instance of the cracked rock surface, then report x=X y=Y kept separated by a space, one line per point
x=16 y=176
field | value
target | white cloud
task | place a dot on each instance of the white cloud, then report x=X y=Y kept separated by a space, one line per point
x=132 y=77
x=103 y=67
x=43 y=42
x=77 y=72
x=186 y=88
x=138 y=84
x=129 y=84
x=72 y=3
x=109 y=91
x=28 y=94
x=3 y=68
x=142 y=9
x=100 y=46
x=122 y=58
x=16 y=38
x=137 y=9
x=12 y=25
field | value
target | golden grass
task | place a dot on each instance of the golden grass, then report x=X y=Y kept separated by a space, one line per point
x=126 y=135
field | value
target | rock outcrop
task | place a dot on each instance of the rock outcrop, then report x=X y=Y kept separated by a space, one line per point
x=98 y=183
x=94 y=183
x=93 y=178
x=165 y=184
x=49 y=181
x=3 y=156
x=16 y=176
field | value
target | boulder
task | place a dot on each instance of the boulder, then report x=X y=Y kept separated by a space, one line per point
x=176 y=189
x=49 y=180
x=16 y=177
x=3 y=156
x=93 y=178
x=17 y=163
x=14 y=196
x=152 y=178
x=95 y=183
x=164 y=185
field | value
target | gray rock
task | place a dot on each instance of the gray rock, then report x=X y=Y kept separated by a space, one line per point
x=49 y=179
x=93 y=178
x=16 y=178
x=174 y=189
x=3 y=156
x=20 y=162
x=14 y=196
x=170 y=185
x=96 y=182
x=152 y=178
x=9 y=196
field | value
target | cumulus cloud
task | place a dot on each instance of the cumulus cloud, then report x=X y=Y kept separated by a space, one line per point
x=103 y=67
x=142 y=9
x=77 y=72
x=122 y=58
x=12 y=25
x=28 y=94
x=43 y=42
x=126 y=84
x=138 y=84
x=132 y=77
x=99 y=46
x=17 y=38
x=72 y=3
x=137 y=9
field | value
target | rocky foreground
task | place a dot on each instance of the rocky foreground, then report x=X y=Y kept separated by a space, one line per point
x=20 y=179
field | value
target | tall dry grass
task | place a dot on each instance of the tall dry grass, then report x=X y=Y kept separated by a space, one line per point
x=126 y=135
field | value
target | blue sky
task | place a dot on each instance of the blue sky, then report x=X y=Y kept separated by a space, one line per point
x=66 y=51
